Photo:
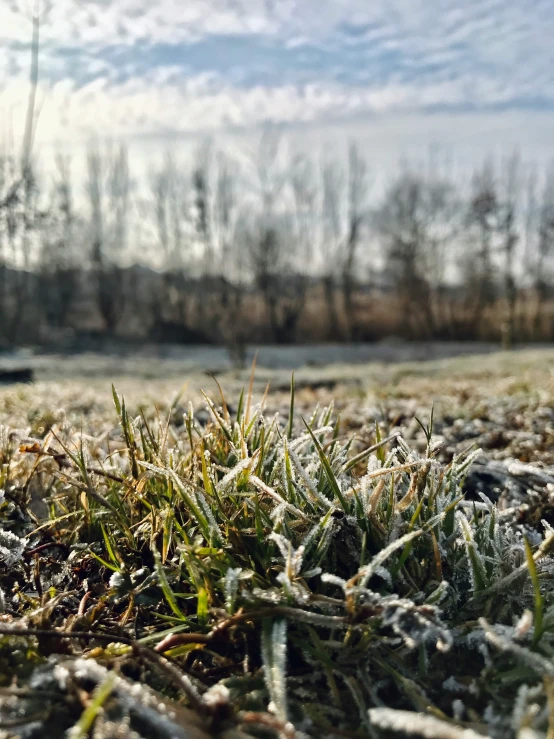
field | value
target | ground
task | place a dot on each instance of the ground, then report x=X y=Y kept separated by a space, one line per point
x=502 y=400
x=222 y=570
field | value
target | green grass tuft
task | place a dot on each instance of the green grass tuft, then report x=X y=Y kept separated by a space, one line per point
x=272 y=578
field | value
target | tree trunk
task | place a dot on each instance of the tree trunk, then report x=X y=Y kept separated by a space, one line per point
x=333 y=330
x=349 y=305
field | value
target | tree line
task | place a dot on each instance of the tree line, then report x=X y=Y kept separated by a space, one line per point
x=277 y=247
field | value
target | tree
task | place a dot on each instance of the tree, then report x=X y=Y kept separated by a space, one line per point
x=59 y=255
x=442 y=227
x=265 y=250
x=482 y=223
x=401 y=223
x=271 y=243
x=544 y=257
x=509 y=236
x=161 y=182
x=331 y=241
x=108 y=188
x=202 y=207
x=174 y=233
x=228 y=247
x=357 y=194
x=10 y=223
x=24 y=216
x=203 y=230
x=417 y=223
x=18 y=200
x=304 y=226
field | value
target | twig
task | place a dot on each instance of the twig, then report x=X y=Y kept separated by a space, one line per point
x=61 y=458
x=366 y=452
x=179 y=679
x=173 y=640
x=48 y=545
x=266 y=719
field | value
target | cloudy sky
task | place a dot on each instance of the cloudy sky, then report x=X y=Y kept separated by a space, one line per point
x=401 y=74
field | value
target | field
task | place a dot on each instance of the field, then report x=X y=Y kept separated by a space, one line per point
x=365 y=553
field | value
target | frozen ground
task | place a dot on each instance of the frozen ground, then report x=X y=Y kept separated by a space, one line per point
x=60 y=580
x=155 y=362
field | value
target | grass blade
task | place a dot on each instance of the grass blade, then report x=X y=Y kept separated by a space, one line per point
x=539 y=601
x=335 y=487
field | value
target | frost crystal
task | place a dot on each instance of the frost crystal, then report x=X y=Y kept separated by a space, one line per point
x=11 y=548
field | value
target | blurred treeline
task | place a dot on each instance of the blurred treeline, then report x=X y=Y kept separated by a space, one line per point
x=273 y=247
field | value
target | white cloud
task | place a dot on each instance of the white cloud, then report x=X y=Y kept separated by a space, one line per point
x=417 y=25
x=107 y=70
x=161 y=101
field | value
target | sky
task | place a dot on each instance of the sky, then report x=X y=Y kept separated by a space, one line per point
x=400 y=75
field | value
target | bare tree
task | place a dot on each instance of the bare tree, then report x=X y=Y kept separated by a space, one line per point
x=544 y=256
x=18 y=198
x=331 y=240
x=357 y=196
x=160 y=186
x=509 y=237
x=482 y=222
x=228 y=248
x=203 y=230
x=442 y=227
x=59 y=251
x=418 y=225
x=401 y=222
x=304 y=196
x=170 y=306
x=108 y=189
x=267 y=242
x=6 y=185
x=530 y=221
x=24 y=215
x=202 y=206
x=10 y=222
x=271 y=244
x=31 y=102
